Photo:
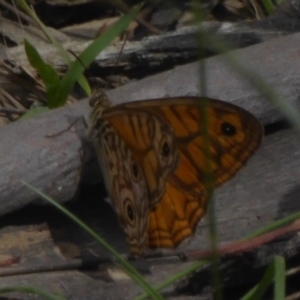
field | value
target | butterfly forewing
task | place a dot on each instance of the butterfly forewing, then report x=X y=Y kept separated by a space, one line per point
x=234 y=135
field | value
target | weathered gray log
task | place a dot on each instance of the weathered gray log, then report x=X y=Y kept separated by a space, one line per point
x=53 y=164
x=171 y=46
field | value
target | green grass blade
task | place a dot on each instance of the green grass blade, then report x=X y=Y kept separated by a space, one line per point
x=275 y=272
x=207 y=145
x=64 y=54
x=179 y=275
x=279 y=278
x=47 y=73
x=91 y=52
x=275 y=225
x=268 y=5
x=34 y=112
x=258 y=291
x=128 y=268
x=58 y=94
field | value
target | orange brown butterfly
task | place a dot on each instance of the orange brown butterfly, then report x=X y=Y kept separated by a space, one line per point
x=154 y=164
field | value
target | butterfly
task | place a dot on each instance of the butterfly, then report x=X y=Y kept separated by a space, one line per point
x=154 y=156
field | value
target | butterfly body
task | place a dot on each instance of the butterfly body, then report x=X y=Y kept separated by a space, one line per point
x=154 y=158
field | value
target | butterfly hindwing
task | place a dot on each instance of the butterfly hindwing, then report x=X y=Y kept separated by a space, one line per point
x=125 y=184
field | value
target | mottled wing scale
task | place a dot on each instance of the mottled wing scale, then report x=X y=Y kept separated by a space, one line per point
x=126 y=187
x=175 y=217
x=152 y=145
x=234 y=135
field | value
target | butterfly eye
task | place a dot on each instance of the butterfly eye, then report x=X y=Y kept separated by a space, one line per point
x=228 y=129
x=129 y=211
x=135 y=171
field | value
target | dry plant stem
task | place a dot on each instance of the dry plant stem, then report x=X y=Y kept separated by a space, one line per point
x=140 y=20
x=148 y=25
x=65 y=130
x=122 y=6
x=294 y=296
x=232 y=248
x=243 y=246
x=20 y=13
x=10 y=261
x=59 y=266
x=12 y=101
x=120 y=53
x=13 y=111
x=293 y=271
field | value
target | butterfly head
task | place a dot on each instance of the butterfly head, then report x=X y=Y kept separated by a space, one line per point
x=99 y=103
